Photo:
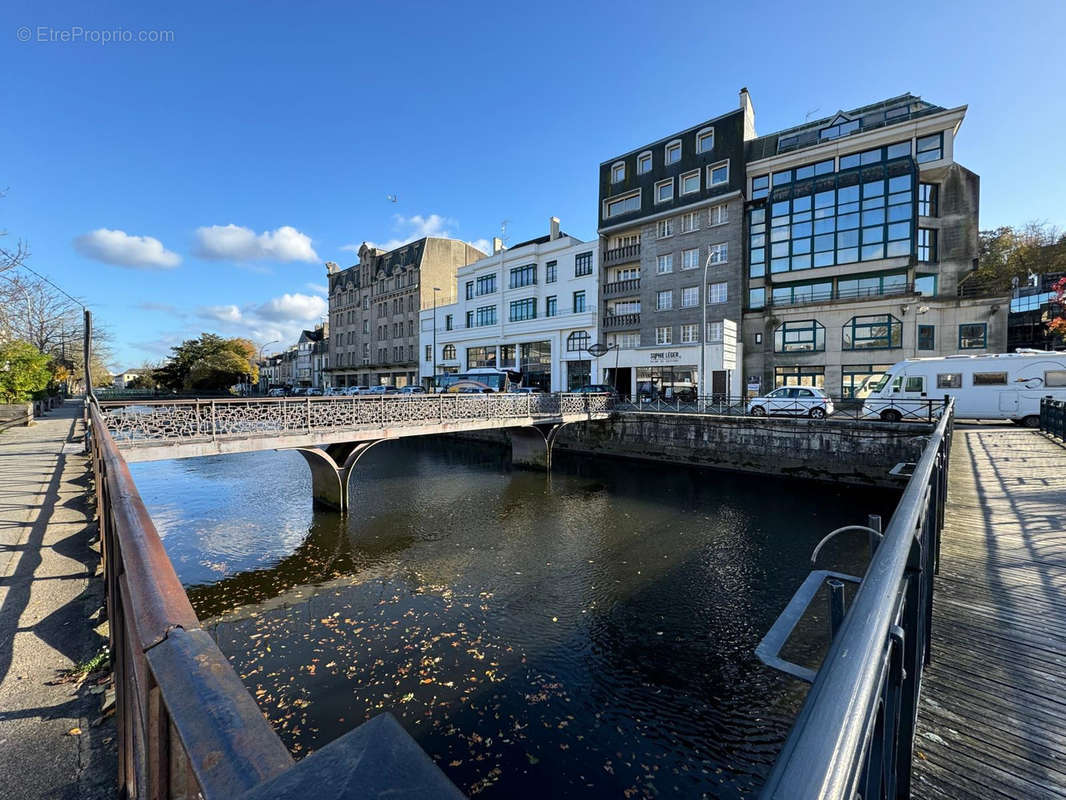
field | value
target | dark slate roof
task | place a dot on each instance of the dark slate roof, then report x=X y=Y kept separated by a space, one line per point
x=807 y=135
x=539 y=240
x=662 y=142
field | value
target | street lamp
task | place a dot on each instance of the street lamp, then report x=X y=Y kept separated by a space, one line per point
x=435 y=290
x=703 y=332
x=263 y=347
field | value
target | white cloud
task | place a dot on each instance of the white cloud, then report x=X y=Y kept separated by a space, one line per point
x=122 y=250
x=351 y=248
x=293 y=307
x=418 y=226
x=317 y=288
x=232 y=242
x=228 y=313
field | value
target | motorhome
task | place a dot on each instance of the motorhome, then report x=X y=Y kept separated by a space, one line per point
x=1001 y=386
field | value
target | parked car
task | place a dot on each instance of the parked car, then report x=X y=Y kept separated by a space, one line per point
x=412 y=390
x=597 y=388
x=795 y=401
x=276 y=393
x=297 y=391
x=528 y=390
x=382 y=389
x=313 y=391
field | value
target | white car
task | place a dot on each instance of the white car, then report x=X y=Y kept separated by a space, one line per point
x=796 y=401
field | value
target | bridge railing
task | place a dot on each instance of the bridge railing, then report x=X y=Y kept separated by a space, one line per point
x=190 y=420
x=1053 y=417
x=854 y=735
x=187 y=726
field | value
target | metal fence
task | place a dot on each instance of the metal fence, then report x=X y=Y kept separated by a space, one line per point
x=1053 y=417
x=887 y=410
x=209 y=420
x=854 y=735
x=187 y=726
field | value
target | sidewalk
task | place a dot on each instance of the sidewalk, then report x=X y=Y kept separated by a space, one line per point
x=50 y=605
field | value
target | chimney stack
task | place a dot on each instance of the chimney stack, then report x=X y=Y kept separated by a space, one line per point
x=749 y=114
x=497 y=245
x=554 y=222
x=331 y=267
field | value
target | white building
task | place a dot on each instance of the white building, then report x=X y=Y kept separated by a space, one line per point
x=531 y=307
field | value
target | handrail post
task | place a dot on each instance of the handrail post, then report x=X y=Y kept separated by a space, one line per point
x=307 y=410
x=836 y=605
x=213 y=428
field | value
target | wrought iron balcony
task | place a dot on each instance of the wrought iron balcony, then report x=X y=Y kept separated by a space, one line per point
x=620 y=255
x=615 y=321
x=620 y=288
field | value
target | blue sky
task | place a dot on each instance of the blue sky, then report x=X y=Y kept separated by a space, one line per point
x=293 y=122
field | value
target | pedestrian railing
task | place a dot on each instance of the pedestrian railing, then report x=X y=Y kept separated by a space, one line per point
x=1053 y=417
x=187 y=726
x=854 y=735
x=843 y=408
x=131 y=423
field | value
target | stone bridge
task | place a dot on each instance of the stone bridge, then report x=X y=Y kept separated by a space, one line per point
x=332 y=433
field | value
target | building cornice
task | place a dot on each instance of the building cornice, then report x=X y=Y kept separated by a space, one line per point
x=673 y=212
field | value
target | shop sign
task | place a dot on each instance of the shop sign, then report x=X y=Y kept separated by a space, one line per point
x=664 y=356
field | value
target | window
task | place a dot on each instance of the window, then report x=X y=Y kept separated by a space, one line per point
x=973 y=336
x=926 y=337
x=877 y=331
x=582 y=264
x=551 y=270
x=480 y=357
x=842 y=128
x=760 y=186
x=718 y=174
x=447 y=322
x=665 y=228
x=626 y=204
x=673 y=153
x=507 y=355
x=717 y=293
x=690 y=333
x=690 y=296
x=366 y=326
x=690 y=259
x=618 y=172
x=523 y=309
x=1054 y=378
x=719 y=253
x=524 y=276
x=429 y=352
x=719 y=214
x=690 y=222
x=757 y=298
x=990 y=379
x=705 y=140
x=664 y=191
x=799 y=376
x=551 y=306
x=926 y=244
x=928 y=194
x=470 y=319
x=950 y=380
x=690 y=182
x=664 y=300
x=486 y=315
x=486 y=284
x=626 y=340
x=643 y=163
x=794 y=294
x=577 y=342
x=915 y=383
x=925 y=285
x=448 y=352
x=930 y=148
x=856 y=381
x=664 y=264
x=801 y=336
x=469 y=290
x=664 y=335
x=579 y=302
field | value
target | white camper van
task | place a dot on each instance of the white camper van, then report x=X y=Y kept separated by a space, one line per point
x=1003 y=386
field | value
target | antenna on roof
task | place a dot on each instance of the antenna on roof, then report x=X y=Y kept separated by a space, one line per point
x=503 y=231
x=811 y=113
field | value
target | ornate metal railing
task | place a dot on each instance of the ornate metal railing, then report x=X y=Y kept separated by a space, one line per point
x=854 y=735
x=1053 y=417
x=209 y=420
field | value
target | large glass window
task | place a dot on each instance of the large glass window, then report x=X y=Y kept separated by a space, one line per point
x=664 y=335
x=664 y=264
x=927 y=244
x=793 y=294
x=622 y=205
x=690 y=259
x=690 y=296
x=448 y=353
x=873 y=332
x=973 y=336
x=799 y=376
x=579 y=302
x=582 y=264
x=486 y=315
x=799 y=336
x=928 y=195
x=551 y=306
x=856 y=381
x=690 y=333
x=524 y=276
x=577 y=342
x=664 y=300
x=718 y=174
x=551 y=272
x=757 y=298
x=926 y=337
x=523 y=309
x=486 y=284
x=717 y=293
x=930 y=148
x=760 y=186
x=872 y=285
x=480 y=357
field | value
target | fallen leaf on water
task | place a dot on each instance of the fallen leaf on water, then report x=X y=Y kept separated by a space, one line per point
x=74 y=732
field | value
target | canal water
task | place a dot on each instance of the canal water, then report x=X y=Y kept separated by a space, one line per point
x=585 y=634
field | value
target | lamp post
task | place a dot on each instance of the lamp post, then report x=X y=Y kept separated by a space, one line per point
x=435 y=290
x=703 y=333
x=263 y=347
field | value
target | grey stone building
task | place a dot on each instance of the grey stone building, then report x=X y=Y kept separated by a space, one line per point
x=671 y=220
x=862 y=237
x=374 y=306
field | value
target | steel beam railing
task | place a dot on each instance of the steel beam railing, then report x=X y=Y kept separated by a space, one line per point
x=1053 y=418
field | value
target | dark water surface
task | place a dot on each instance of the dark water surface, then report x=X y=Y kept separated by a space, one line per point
x=587 y=634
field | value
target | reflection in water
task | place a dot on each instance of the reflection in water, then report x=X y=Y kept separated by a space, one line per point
x=588 y=633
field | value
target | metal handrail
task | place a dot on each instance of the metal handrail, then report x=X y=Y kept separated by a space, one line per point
x=828 y=750
x=1053 y=417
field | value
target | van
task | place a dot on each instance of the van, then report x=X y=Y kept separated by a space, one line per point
x=1000 y=386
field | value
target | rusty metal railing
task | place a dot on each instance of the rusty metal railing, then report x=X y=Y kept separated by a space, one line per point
x=187 y=726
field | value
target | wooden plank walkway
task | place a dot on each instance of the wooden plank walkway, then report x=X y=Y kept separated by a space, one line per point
x=992 y=719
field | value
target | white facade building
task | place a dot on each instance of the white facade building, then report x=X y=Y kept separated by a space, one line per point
x=531 y=307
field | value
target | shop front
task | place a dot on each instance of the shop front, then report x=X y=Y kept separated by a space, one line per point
x=647 y=373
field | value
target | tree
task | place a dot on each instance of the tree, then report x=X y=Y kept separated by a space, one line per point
x=1007 y=253
x=24 y=370
x=208 y=363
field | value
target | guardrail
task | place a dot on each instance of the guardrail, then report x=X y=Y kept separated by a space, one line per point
x=1053 y=417
x=904 y=410
x=210 y=420
x=187 y=726
x=854 y=735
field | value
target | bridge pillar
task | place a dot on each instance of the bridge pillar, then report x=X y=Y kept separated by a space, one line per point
x=331 y=469
x=531 y=446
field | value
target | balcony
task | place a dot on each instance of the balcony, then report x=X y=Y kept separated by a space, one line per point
x=620 y=288
x=614 y=322
x=621 y=255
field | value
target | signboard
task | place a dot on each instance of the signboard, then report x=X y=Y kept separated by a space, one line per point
x=754 y=385
x=729 y=344
x=597 y=350
x=664 y=356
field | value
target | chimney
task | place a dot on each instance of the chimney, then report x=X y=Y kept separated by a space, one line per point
x=497 y=245
x=554 y=222
x=332 y=268
x=749 y=114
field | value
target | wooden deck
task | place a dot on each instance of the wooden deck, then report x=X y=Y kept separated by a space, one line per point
x=992 y=720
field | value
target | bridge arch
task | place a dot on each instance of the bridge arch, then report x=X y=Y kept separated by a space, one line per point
x=331 y=469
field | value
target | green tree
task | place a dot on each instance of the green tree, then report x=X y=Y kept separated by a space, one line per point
x=210 y=363
x=1006 y=253
x=23 y=370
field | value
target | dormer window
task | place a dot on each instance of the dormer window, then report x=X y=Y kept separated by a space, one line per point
x=840 y=126
x=705 y=140
x=618 y=172
x=673 y=152
x=643 y=163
